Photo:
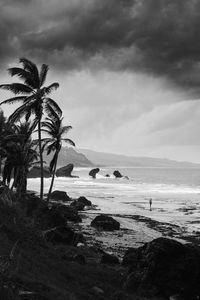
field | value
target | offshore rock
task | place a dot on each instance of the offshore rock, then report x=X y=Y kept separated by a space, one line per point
x=65 y=171
x=117 y=174
x=94 y=172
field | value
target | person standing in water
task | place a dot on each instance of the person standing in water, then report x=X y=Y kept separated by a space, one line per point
x=150 y=203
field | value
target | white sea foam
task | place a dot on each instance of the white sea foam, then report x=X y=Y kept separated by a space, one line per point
x=175 y=194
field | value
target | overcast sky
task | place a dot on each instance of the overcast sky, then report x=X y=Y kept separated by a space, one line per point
x=129 y=70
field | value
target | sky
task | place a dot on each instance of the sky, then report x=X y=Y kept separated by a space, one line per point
x=129 y=70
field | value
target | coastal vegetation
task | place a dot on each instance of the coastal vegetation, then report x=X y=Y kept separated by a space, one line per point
x=18 y=151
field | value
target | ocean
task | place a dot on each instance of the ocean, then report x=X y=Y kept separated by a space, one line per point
x=175 y=193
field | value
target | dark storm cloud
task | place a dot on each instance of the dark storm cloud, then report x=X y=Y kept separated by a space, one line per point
x=157 y=36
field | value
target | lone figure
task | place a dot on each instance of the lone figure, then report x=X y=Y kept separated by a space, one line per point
x=150 y=203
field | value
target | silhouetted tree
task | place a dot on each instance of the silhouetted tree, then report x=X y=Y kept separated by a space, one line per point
x=55 y=130
x=34 y=97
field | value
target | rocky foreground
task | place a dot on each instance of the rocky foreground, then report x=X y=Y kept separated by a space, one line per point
x=44 y=255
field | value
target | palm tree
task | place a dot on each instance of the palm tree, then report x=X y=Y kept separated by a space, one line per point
x=21 y=154
x=34 y=97
x=54 y=129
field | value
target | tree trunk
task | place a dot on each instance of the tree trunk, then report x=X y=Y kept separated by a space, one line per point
x=41 y=161
x=53 y=177
x=0 y=167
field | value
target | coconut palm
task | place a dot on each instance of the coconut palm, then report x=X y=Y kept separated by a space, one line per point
x=21 y=154
x=34 y=97
x=55 y=130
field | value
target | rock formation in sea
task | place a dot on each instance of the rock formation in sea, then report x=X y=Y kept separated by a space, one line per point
x=117 y=174
x=65 y=171
x=94 y=172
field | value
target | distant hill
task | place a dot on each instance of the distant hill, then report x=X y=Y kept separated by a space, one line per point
x=108 y=159
x=69 y=155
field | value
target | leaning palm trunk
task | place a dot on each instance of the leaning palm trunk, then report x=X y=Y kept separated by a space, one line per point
x=41 y=161
x=53 y=177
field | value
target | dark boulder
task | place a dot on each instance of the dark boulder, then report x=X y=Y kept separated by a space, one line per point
x=94 y=172
x=80 y=259
x=117 y=174
x=46 y=218
x=106 y=223
x=77 y=205
x=31 y=202
x=165 y=267
x=84 y=200
x=63 y=235
x=35 y=172
x=60 y=196
x=68 y=212
x=109 y=259
x=107 y=175
x=65 y=171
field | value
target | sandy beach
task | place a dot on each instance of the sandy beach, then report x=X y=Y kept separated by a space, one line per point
x=174 y=214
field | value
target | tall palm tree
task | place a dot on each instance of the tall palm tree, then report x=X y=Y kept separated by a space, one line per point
x=34 y=97
x=55 y=130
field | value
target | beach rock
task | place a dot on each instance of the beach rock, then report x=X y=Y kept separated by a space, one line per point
x=31 y=202
x=80 y=259
x=106 y=223
x=77 y=205
x=65 y=171
x=35 y=172
x=93 y=172
x=68 y=212
x=165 y=267
x=109 y=259
x=63 y=235
x=60 y=196
x=84 y=200
x=46 y=218
x=117 y=174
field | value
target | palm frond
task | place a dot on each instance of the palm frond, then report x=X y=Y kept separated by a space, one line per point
x=22 y=74
x=30 y=67
x=17 y=88
x=43 y=74
x=13 y=100
x=54 y=106
x=18 y=113
x=51 y=87
x=52 y=112
x=65 y=129
x=69 y=141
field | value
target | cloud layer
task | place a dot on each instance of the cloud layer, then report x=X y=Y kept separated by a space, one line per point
x=155 y=36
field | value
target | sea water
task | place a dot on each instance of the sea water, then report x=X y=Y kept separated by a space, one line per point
x=175 y=193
